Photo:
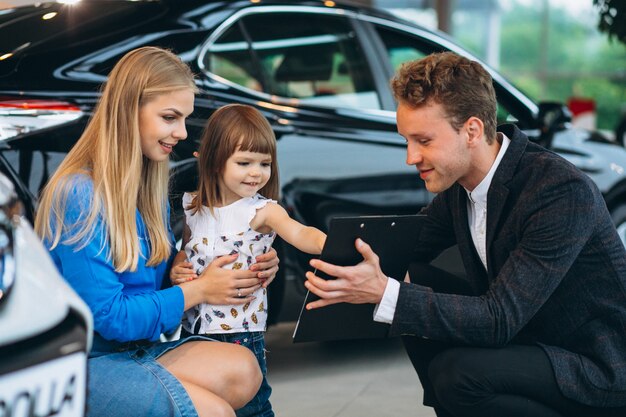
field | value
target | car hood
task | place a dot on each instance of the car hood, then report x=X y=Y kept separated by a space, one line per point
x=56 y=26
x=603 y=161
x=35 y=297
x=40 y=298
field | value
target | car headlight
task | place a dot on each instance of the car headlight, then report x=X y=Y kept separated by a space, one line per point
x=10 y=209
x=19 y=116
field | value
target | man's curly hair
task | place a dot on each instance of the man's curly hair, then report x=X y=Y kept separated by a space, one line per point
x=461 y=86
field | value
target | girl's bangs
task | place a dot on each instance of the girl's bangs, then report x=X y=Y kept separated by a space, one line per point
x=256 y=140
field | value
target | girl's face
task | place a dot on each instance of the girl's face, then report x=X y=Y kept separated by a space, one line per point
x=244 y=175
x=162 y=123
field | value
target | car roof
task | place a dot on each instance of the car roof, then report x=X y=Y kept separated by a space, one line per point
x=98 y=27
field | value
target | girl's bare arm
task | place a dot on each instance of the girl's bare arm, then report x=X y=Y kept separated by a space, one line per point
x=306 y=238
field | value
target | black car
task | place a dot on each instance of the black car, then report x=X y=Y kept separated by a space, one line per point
x=318 y=71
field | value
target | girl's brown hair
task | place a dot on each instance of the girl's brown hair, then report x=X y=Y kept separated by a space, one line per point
x=231 y=128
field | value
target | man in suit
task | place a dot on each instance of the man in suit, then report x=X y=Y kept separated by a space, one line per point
x=538 y=327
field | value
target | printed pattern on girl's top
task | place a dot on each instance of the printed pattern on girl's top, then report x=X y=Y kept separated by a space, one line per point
x=226 y=231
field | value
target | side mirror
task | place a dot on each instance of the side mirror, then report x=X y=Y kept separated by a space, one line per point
x=552 y=117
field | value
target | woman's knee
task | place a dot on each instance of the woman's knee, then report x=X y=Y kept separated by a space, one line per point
x=207 y=403
x=221 y=409
x=228 y=370
x=245 y=375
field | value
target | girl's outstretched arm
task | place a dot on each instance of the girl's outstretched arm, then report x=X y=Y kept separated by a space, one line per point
x=305 y=238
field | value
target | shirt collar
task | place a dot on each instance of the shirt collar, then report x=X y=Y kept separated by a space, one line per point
x=479 y=195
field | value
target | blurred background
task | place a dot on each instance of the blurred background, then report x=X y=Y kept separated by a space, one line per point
x=551 y=49
x=572 y=51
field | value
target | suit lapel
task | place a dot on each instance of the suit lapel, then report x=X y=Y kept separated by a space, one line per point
x=499 y=191
x=474 y=269
x=463 y=234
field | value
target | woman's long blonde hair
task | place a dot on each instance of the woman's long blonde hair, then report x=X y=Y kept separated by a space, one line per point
x=109 y=152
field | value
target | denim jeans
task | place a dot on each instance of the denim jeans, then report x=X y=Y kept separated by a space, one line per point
x=260 y=405
x=125 y=379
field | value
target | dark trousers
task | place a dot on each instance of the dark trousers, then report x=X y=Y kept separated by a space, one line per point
x=461 y=381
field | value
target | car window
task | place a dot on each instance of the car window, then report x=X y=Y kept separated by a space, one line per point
x=230 y=58
x=314 y=58
x=402 y=47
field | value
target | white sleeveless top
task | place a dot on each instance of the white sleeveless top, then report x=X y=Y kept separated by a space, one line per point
x=226 y=232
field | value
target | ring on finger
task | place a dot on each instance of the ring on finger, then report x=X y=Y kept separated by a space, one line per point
x=238 y=292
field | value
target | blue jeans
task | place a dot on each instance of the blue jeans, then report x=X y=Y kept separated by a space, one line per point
x=260 y=405
x=126 y=376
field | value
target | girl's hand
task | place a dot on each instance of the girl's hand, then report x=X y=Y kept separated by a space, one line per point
x=226 y=286
x=266 y=267
x=182 y=272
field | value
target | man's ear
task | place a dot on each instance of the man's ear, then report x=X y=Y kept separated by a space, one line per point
x=475 y=130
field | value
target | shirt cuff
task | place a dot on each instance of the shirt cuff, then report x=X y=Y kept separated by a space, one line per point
x=385 y=311
x=173 y=302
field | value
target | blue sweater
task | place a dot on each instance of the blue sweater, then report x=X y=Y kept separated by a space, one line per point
x=126 y=306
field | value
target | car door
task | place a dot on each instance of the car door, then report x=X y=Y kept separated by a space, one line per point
x=338 y=150
x=309 y=71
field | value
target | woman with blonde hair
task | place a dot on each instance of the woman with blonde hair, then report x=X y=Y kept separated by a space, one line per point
x=104 y=215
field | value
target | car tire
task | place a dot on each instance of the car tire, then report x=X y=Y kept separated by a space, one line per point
x=618 y=214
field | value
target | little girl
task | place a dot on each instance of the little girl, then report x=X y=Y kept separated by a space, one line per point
x=235 y=211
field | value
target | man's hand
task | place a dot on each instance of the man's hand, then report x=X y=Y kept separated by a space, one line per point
x=358 y=284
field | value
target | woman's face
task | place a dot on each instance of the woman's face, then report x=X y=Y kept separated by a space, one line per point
x=162 y=123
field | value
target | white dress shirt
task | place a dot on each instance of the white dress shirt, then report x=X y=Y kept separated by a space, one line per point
x=477 y=220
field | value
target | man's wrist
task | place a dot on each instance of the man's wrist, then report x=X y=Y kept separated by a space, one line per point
x=386 y=309
x=383 y=281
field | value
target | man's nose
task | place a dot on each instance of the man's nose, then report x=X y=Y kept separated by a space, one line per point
x=413 y=155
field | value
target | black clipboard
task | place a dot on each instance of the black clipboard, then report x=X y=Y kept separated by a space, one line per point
x=393 y=239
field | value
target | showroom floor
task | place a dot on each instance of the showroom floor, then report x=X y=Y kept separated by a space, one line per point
x=363 y=378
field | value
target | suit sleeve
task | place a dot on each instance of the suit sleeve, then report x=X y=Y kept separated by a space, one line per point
x=554 y=230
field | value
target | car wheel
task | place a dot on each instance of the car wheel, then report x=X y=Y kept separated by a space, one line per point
x=618 y=215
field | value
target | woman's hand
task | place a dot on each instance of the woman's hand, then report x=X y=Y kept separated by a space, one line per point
x=217 y=285
x=266 y=267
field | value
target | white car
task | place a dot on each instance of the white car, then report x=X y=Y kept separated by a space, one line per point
x=45 y=328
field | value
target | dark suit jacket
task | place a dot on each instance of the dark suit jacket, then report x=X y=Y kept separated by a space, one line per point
x=556 y=273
